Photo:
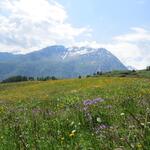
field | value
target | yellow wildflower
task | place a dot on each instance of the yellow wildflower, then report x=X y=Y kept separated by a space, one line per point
x=72 y=134
x=139 y=146
x=62 y=138
x=73 y=131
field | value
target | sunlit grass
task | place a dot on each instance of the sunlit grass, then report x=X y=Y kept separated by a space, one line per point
x=55 y=115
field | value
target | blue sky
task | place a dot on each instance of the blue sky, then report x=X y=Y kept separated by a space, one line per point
x=108 y=18
x=121 y=26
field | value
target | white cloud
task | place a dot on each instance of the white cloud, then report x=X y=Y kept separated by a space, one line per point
x=138 y=35
x=133 y=48
x=39 y=10
x=34 y=10
x=26 y=25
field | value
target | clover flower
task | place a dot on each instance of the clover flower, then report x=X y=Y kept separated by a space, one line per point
x=142 y=124
x=122 y=114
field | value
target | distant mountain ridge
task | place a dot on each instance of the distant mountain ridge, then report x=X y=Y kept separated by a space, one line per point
x=59 y=61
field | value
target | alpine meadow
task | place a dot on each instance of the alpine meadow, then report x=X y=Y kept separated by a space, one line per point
x=91 y=113
x=74 y=75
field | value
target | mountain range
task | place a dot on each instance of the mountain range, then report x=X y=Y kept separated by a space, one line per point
x=59 y=61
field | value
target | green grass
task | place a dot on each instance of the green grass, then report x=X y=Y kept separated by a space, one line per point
x=128 y=73
x=52 y=114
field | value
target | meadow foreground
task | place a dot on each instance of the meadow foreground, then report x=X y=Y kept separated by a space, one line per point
x=102 y=113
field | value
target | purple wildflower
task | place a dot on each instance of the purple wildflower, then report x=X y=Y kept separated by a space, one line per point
x=91 y=102
x=100 y=128
x=88 y=103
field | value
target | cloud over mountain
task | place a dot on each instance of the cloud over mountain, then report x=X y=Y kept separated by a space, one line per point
x=133 y=48
x=32 y=24
x=28 y=25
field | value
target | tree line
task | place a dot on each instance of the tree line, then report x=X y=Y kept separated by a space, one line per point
x=148 y=68
x=99 y=73
x=20 y=78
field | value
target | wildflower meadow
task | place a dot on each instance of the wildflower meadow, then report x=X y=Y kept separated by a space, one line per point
x=98 y=113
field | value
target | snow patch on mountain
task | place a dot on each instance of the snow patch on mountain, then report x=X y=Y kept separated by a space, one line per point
x=77 y=51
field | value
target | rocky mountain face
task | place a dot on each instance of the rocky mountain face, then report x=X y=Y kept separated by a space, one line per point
x=60 y=62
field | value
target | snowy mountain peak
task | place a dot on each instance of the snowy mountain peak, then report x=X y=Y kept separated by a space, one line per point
x=77 y=51
x=60 y=61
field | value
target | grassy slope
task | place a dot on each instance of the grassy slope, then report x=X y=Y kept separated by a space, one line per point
x=51 y=114
x=138 y=73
